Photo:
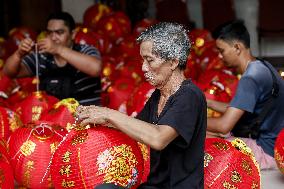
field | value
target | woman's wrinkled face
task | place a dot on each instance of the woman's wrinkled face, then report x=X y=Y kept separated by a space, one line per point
x=156 y=70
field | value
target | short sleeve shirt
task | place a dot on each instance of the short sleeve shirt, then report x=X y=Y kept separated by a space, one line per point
x=180 y=164
x=253 y=90
x=85 y=89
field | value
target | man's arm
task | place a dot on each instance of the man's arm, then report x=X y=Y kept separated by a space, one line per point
x=226 y=122
x=217 y=106
x=13 y=66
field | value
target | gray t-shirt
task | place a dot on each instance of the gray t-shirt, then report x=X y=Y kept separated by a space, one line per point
x=253 y=90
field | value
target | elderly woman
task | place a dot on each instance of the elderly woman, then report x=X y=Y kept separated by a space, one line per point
x=173 y=121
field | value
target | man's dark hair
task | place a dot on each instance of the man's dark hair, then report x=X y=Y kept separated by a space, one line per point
x=233 y=30
x=66 y=17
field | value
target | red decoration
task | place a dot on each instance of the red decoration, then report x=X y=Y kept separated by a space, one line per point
x=131 y=68
x=31 y=150
x=279 y=151
x=4 y=149
x=9 y=122
x=5 y=52
x=142 y=25
x=62 y=113
x=119 y=92
x=114 y=26
x=229 y=165
x=87 y=36
x=16 y=35
x=7 y=85
x=32 y=107
x=27 y=84
x=94 y=13
x=95 y=156
x=6 y=173
x=138 y=98
x=127 y=47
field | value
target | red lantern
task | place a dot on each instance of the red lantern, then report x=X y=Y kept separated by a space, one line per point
x=16 y=35
x=127 y=47
x=36 y=104
x=131 y=69
x=109 y=72
x=27 y=83
x=279 y=151
x=5 y=52
x=94 y=13
x=31 y=150
x=119 y=92
x=114 y=26
x=142 y=25
x=9 y=122
x=6 y=173
x=4 y=149
x=95 y=156
x=229 y=165
x=7 y=85
x=87 y=36
x=138 y=98
x=62 y=113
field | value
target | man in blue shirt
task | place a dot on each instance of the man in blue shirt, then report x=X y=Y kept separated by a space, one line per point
x=254 y=89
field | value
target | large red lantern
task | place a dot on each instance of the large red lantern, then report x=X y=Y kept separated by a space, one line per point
x=32 y=107
x=229 y=165
x=94 y=13
x=9 y=122
x=279 y=151
x=31 y=150
x=94 y=156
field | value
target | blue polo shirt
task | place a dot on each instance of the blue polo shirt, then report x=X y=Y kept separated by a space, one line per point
x=253 y=90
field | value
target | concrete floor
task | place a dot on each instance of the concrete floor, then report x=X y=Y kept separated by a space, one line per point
x=272 y=179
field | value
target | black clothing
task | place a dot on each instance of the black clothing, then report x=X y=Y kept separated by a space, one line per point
x=180 y=164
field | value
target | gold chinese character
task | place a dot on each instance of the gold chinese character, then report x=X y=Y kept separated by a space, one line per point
x=28 y=148
x=65 y=170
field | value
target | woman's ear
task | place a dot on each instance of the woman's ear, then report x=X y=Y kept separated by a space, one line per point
x=174 y=64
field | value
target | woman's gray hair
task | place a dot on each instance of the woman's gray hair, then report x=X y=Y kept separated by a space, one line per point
x=170 y=41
